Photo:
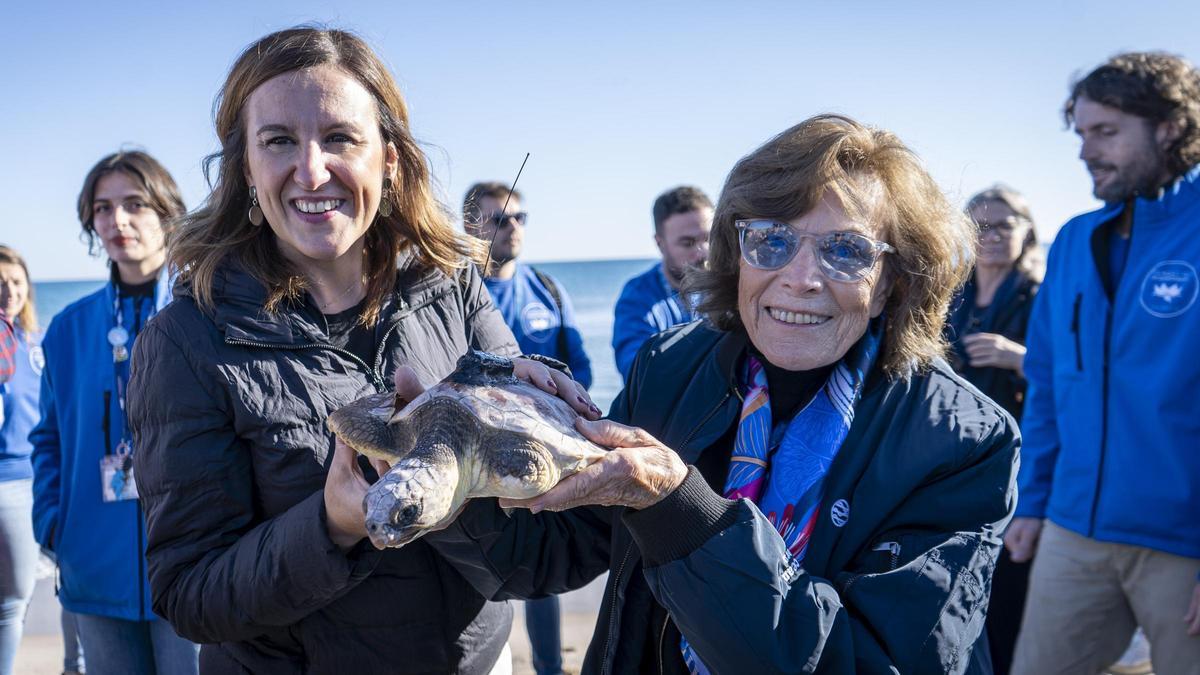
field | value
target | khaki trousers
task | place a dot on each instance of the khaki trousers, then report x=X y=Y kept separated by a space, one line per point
x=1087 y=597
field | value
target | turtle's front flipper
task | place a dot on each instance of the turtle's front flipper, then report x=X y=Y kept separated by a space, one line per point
x=363 y=425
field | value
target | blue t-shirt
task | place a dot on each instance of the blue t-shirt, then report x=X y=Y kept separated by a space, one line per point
x=536 y=320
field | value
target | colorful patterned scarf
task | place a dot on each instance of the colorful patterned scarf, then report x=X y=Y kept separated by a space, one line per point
x=781 y=466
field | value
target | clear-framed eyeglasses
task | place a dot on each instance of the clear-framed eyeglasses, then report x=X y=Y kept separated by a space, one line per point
x=843 y=256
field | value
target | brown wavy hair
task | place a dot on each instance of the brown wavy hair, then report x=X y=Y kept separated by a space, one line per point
x=1156 y=86
x=221 y=229
x=875 y=177
x=27 y=318
x=160 y=188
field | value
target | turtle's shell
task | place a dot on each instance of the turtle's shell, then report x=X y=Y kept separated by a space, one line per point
x=519 y=408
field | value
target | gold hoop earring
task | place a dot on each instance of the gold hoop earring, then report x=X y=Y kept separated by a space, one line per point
x=255 y=214
x=385 y=200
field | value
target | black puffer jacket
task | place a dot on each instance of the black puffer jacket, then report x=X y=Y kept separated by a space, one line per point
x=897 y=572
x=228 y=414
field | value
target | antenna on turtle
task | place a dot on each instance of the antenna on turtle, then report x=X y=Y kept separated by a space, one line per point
x=487 y=262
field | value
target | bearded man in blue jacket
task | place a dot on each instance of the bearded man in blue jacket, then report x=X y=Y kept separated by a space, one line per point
x=1110 y=470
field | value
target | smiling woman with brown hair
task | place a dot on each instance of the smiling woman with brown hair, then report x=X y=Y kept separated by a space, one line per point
x=319 y=265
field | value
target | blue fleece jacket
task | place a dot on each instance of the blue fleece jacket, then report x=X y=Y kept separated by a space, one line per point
x=536 y=320
x=19 y=407
x=1111 y=423
x=647 y=305
x=100 y=546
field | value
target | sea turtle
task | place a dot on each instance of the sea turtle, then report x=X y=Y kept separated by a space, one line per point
x=481 y=432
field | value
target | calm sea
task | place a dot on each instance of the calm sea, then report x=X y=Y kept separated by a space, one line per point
x=593 y=287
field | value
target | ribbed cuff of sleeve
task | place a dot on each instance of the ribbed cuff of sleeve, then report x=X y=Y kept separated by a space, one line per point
x=682 y=522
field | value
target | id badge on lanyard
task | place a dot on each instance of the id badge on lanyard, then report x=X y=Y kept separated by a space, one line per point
x=117 y=483
x=116 y=475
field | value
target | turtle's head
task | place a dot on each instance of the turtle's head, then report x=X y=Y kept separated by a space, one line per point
x=419 y=494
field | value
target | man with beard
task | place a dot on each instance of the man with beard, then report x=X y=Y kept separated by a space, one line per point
x=1110 y=473
x=540 y=314
x=649 y=302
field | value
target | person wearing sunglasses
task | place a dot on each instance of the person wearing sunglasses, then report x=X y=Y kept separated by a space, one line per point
x=986 y=331
x=542 y=318
x=800 y=482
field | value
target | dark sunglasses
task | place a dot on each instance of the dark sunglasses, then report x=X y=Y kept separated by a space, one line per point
x=843 y=256
x=501 y=220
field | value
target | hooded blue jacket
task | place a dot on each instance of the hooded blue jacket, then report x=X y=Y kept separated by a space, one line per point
x=1112 y=423
x=100 y=547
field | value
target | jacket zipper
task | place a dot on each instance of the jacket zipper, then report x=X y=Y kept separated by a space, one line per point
x=612 y=610
x=376 y=380
x=893 y=548
x=662 y=640
x=1075 y=331
x=1103 y=419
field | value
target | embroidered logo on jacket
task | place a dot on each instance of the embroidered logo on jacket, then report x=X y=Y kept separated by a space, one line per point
x=1169 y=289
x=840 y=513
x=538 y=321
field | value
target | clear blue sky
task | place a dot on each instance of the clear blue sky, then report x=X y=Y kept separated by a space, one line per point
x=616 y=101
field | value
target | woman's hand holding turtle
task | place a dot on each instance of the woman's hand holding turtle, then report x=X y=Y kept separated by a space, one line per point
x=557 y=383
x=638 y=473
x=346 y=486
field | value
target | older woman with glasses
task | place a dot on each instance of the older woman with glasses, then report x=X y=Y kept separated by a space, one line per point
x=798 y=483
x=986 y=330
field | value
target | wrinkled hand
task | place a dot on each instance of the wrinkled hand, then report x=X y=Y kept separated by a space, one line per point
x=996 y=351
x=1022 y=538
x=1192 y=618
x=345 y=485
x=557 y=383
x=638 y=472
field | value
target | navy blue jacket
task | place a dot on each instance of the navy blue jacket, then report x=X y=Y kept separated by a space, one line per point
x=897 y=581
x=1112 y=427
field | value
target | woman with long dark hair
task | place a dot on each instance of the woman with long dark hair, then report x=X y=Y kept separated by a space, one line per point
x=86 y=510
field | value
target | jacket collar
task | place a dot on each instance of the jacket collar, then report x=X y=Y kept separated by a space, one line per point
x=239 y=298
x=163 y=285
